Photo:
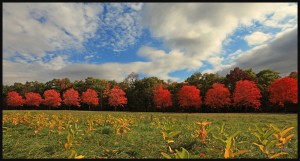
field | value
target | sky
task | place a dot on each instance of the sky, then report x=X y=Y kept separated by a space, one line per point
x=171 y=41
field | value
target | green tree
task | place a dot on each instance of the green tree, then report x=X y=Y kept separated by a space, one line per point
x=128 y=85
x=144 y=90
x=194 y=79
x=264 y=78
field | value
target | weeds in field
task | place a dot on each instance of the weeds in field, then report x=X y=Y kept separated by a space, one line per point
x=267 y=144
x=183 y=154
x=231 y=150
x=202 y=133
x=121 y=126
x=281 y=136
x=71 y=141
x=169 y=136
x=90 y=124
x=270 y=141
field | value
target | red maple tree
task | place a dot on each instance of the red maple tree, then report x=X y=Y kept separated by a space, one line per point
x=246 y=94
x=14 y=99
x=283 y=90
x=117 y=97
x=218 y=96
x=71 y=97
x=162 y=97
x=189 y=96
x=51 y=98
x=33 y=99
x=90 y=97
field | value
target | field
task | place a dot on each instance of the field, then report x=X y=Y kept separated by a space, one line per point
x=90 y=134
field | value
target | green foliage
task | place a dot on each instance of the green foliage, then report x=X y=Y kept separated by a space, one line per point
x=231 y=151
x=266 y=143
x=106 y=130
x=281 y=135
x=144 y=140
x=183 y=154
x=265 y=78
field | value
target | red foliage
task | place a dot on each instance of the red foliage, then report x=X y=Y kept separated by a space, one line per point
x=117 y=97
x=284 y=90
x=71 y=97
x=51 y=98
x=33 y=99
x=189 y=96
x=90 y=97
x=218 y=96
x=14 y=99
x=247 y=94
x=162 y=97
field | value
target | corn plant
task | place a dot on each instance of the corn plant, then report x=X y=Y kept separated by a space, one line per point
x=169 y=136
x=52 y=124
x=121 y=126
x=74 y=155
x=202 y=133
x=264 y=143
x=267 y=144
x=40 y=121
x=183 y=154
x=231 y=150
x=90 y=124
x=71 y=141
x=281 y=136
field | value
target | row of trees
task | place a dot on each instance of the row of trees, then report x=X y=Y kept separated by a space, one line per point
x=152 y=94
x=71 y=98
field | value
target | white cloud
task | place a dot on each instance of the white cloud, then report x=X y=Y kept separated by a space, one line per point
x=276 y=20
x=192 y=32
x=55 y=63
x=135 y=6
x=235 y=55
x=228 y=41
x=120 y=27
x=215 y=60
x=59 y=67
x=22 y=72
x=281 y=55
x=199 y=30
x=257 y=38
x=32 y=29
x=88 y=57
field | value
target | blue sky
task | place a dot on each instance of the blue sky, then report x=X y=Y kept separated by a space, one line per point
x=166 y=40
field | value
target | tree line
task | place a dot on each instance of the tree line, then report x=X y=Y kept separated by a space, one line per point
x=239 y=91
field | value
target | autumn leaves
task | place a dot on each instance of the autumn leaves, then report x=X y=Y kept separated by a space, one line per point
x=71 y=97
x=245 y=94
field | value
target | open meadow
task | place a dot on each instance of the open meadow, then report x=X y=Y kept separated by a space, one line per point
x=99 y=134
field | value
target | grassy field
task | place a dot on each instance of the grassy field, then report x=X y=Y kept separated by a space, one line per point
x=46 y=134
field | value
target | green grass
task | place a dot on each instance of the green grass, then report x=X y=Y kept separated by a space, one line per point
x=144 y=140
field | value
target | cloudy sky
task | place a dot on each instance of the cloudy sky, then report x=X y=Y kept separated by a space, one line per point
x=42 y=41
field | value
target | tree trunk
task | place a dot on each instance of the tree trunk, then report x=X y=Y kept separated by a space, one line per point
x=101 y=106
x=89 y=108
x=115 y=108
x=284 y=109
